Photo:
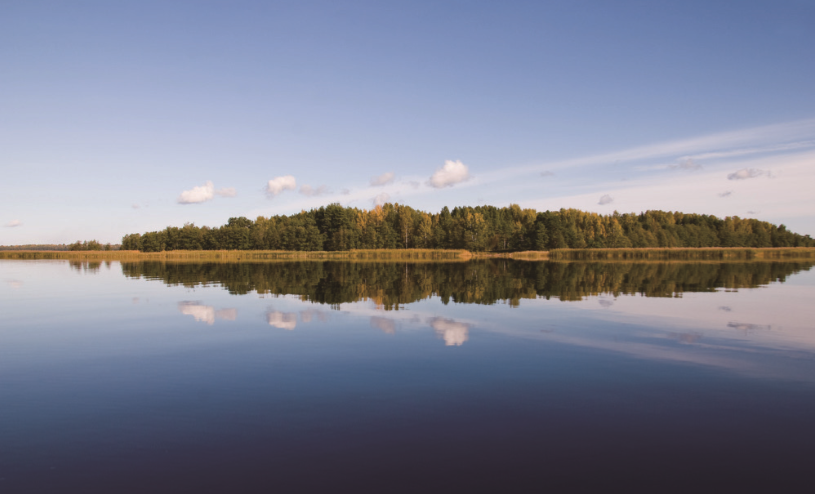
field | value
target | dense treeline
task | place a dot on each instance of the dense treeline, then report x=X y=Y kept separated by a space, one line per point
x=392 y=285
x=41 y=247
x=481 y=228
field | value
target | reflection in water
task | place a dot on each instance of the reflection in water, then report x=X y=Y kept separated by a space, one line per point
x=205 y=313
x=392 y=285
x=387 y=326
x=685 y=337
x=15 y=284
x=454 y=333
x=309 y=314
x=748 y=328
x=282 y=320
x=91 y=267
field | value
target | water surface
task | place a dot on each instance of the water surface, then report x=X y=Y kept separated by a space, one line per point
x=400 y=377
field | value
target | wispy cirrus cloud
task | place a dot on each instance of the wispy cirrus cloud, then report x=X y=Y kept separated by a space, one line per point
x=226 y=192
x=746 y=173
x=453 y=172
x=13 y=224
x=687 y=164
x=381 y=199
x=308 y=190
x=279 y=184
x=384 y=179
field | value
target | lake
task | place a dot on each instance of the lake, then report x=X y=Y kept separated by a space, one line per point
x=480 y=376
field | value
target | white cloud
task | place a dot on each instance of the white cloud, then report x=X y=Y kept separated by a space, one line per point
x=381 y=199
x=383 y=179
x=453 y=172
x=308 y=190
x=606 y=199
x=198 y=194
x=227 y=192
x=279 y=184
x=452 y=332
x=746 y=173
x=547 y=173
x=282 y=320
x=135 y=206
x=13 y=223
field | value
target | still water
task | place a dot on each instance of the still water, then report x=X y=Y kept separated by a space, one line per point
x=498 y=376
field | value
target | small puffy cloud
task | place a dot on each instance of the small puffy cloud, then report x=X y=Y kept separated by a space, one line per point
x=453 y=333
x=308 y=190
x=453 y=172
x=725 y=194
x=227 y=192
x=606 y=199
x=381 y=199
x=282 y=320
x=135 y=206
x=746 y=173
x=279 y=184
x=202 y=193
x=687 y=164
x=547 y=173
x=14 y=223
x=383 y=179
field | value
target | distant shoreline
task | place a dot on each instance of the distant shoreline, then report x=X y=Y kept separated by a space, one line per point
x=420 y=255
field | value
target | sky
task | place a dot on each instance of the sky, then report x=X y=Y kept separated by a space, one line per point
x=130 y=116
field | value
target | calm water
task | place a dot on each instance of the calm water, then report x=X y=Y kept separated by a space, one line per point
x=363 y=377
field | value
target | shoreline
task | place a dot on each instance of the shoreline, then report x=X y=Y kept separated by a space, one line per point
x=427 y=255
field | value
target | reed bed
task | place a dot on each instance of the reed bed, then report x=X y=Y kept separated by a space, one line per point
x=244 y=255
x=684 y=254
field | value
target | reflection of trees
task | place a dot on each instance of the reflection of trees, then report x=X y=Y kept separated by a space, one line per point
x=391 y=285
x=86 y=266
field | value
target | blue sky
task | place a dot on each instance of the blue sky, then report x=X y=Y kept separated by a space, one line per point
x=121 y=117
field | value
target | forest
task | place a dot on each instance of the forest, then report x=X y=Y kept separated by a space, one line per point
x=477 y=229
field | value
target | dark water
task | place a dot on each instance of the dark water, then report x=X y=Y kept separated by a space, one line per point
x=364 y=377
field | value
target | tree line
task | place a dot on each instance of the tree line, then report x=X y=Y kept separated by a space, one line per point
x=480 y=228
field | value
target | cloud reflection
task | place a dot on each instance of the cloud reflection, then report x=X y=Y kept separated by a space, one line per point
x=308 y=315
x=748 y=328
x=15 y=284
x=282 y=320
x=205 y=313
x=387 y=326
x=454 y=333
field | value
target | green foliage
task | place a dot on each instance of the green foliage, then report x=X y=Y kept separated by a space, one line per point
x=477 y=229
x=394 y=284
